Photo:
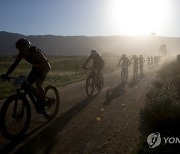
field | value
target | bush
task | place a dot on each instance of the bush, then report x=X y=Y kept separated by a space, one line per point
x=162 y=111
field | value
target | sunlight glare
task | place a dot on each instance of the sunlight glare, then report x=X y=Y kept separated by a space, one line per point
x=138 y=17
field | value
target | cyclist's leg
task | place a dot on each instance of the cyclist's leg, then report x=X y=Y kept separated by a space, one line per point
x=140 y=68
x=126 y=69
x=99 y=74
x=137 y=69
x=37 y=77
x=32 y=77
x=134 y=70
x=41 y=77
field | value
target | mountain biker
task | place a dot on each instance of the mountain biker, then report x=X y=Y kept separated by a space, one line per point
x=141 y=61
x=125 y=61
x=98 y=62
x=149 y=62
x=152 y=61
x=135 y=59
x=125 y=64
x=40 y=68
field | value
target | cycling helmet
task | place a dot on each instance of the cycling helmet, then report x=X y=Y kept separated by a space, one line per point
x=93 y=52
x=23 y=43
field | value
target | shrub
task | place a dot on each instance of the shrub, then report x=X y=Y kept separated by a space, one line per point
x=162 y=110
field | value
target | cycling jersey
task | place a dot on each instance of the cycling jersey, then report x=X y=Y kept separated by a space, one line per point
x=141 y=60
x=36 y=56
x=98 y=61
x=125 y=61
x=135 y=59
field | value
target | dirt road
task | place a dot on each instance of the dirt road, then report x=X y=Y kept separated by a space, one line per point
x=104 y=123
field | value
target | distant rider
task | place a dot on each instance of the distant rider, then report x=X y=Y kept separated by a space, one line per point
x=152 y=61
x=141 y=63
x=135 y=59
x=124 y=60
x=149 y=62
x=98 y=62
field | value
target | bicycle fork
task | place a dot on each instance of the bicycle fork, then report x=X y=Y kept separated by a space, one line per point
x=16 y=113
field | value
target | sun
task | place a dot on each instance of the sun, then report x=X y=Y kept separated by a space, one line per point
x=138 y=17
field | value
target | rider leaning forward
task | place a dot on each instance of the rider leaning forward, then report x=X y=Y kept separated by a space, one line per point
x=40 y=68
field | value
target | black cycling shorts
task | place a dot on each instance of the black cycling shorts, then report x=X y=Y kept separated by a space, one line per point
x=37 y=74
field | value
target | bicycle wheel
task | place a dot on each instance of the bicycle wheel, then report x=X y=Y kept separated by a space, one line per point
x=15 y=117
x=124 y=75
x=101 y=83
x=52 y=102
x=135 y=73
x=90 y=85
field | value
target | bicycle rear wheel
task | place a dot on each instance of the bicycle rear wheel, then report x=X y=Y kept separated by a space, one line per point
x=135 y=73
x=124 y=75
x=15 y=117
x=52 y=102
x=101 y=83
x=90 y=85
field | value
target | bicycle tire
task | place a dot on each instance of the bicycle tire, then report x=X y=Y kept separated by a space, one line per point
x=89 y=83
x=124 y=75
x=5 y=132
x=101 y=83
x=52 y=115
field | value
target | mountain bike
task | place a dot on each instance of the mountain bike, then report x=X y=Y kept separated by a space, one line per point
x=93 y=82
x=15 y=114
x=135 y=71
x=141 y=74
x=124 y=73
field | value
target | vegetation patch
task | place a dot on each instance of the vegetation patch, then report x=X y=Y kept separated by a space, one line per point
x=64 y=70
x=162 y=111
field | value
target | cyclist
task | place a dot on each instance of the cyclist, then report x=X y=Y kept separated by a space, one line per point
x=149 y=62
x=98 y=62
x=135 y=59
x=152 y=61
x=40 y=68
x=141 y=61
x=125 y=61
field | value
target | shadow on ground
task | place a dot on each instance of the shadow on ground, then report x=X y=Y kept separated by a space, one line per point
x=134 y=81
x=47 y=135
x=113 y=94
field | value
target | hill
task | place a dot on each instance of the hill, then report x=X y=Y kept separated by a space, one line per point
x=81 y=45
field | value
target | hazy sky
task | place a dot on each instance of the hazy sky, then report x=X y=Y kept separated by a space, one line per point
x=91 y=17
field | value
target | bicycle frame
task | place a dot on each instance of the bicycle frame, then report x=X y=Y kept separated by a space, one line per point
x=25 y=87
x=94 y=74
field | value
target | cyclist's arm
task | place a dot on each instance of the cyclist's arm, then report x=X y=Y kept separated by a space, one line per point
x=119 y=61
x=13 y=66
x=102 y=61
x=87 y=61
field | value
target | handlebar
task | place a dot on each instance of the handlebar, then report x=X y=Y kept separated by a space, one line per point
x=17 y=81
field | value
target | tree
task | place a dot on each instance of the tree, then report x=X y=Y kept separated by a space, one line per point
x=163 y=49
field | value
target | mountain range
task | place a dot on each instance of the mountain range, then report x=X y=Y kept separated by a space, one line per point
x=82 y=45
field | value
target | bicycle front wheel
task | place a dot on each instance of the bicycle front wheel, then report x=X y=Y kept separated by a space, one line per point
x=15 y=117
x=124 y=75
x=52 y=102
x=90 y=85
